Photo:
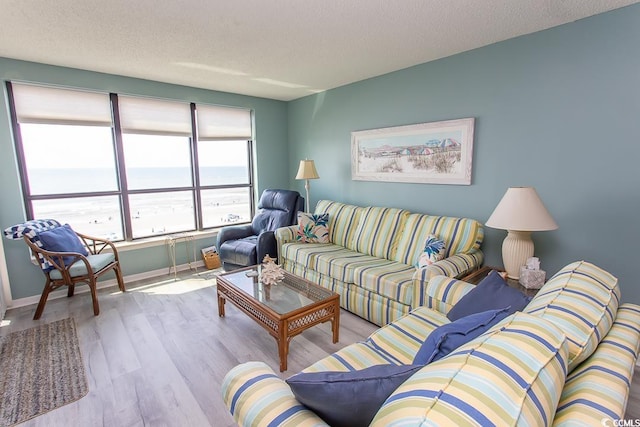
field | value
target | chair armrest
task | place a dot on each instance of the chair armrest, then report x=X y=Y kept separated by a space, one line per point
x=285 y=235
x=96 y=245
x=233 y=232
x=439 y=293
x=266 y=246
x=253 y=385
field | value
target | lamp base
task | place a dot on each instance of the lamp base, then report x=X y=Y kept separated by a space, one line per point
x=517 y=248
x=306 y=187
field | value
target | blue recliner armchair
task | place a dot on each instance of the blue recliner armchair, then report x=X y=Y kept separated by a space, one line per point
x=244 y=245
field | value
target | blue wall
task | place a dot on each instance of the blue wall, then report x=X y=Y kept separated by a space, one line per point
x=558 y=110
x=270 y=146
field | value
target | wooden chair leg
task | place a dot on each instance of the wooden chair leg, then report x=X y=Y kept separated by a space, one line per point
x=43 y=300
x=94 y=296
x=119 y=278
x=71 y=287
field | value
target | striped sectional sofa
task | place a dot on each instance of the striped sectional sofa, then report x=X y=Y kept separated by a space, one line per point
x=371 y=256
x=566 y=360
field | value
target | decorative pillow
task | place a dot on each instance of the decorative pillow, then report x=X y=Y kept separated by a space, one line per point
x=313 y=228
x=349 y=398
x=446 y=338
x=433 y=251
x=490 y=294
x=62 y=239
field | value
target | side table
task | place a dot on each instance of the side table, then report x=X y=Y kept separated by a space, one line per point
x=477 y=275
x=189 y=247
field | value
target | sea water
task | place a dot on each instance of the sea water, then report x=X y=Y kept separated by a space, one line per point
x=151 y=213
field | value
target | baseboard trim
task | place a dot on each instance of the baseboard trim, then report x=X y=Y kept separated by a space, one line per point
x=62 y=293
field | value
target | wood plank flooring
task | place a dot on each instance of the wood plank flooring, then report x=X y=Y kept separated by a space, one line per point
x=156 y=355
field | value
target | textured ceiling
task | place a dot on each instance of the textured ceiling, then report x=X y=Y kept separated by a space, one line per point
x=280 y=49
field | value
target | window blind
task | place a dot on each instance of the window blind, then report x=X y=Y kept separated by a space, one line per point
x=155 y=116
x=45 y=104
x=223 y=122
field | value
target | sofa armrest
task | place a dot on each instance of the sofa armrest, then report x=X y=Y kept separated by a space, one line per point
x=233 y=232
x=611 y=367
x=285 y=235
x=255 y=395
x=266 y=246
x=457 y=265
x=439 y=293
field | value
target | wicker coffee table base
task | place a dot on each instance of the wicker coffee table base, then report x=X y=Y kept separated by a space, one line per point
x=282 y=327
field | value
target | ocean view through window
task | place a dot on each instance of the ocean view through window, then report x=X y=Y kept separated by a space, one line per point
x=142 y=174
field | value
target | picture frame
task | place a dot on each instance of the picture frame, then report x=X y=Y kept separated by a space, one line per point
x=431 y=153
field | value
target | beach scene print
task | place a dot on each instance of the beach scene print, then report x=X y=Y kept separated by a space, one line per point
x=438 y=153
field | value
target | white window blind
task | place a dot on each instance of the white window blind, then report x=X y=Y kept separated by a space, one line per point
x=223 y=122
x=43 y=104
x=155 y=116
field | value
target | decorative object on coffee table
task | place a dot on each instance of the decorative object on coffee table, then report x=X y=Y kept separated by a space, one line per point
x=270 y=273
x=520 y=212
x=307 y=170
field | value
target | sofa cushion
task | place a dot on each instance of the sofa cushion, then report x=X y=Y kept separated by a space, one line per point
x=378 y=231
x=328 y=259
x=582 y=300
x=446 y=338
x=352 y=398
x=395 y=343
x=312 y=228
x=490 y=294
x=387 y=278
x=343 y=221
x=459 y=235
x=519 y=366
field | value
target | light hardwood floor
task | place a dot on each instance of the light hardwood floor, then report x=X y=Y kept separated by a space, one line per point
x=156 y=355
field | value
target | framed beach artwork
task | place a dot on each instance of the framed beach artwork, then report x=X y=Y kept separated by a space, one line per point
x=432 y=153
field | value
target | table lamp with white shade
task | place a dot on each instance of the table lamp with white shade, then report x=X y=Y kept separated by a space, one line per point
x=520 y=212
x=307 y=170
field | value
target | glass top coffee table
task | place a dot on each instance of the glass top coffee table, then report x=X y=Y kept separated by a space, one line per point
x=285 y=309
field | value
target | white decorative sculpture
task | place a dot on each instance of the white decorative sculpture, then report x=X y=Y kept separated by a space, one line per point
x=271 y=273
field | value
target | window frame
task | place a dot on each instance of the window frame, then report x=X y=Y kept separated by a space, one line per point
x=123 y=192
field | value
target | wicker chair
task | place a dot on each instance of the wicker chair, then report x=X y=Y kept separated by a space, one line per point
x=68 y=268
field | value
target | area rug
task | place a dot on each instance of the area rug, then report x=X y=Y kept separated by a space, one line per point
x=41 y=369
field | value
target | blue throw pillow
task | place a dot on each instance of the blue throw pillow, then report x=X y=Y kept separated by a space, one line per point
x=352 y=398
x=490 y=294
x=62 y=239
x=446 y=338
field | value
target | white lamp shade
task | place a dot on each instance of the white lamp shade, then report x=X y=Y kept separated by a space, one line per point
x=307 y=170
x=522 y=210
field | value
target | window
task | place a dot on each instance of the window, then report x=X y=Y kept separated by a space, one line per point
x=145 y=172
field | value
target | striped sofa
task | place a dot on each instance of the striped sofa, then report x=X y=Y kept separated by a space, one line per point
x=371 y=256
x=566 y=360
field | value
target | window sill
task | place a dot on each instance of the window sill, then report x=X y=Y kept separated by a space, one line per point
x=161 y=240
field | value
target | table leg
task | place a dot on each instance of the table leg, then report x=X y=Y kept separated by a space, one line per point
x=335 y=323
x=171 y=247
x=283 y=346
x=221 y=301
